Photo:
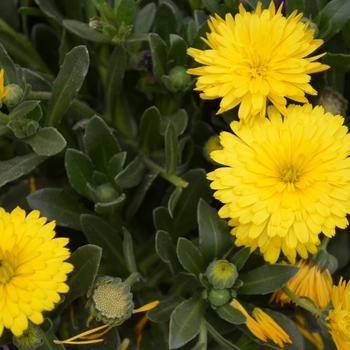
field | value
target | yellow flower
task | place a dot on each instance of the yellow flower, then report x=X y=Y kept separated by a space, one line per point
x=254 y=57
x=263 y=326
x=339 y=317
x=285 y=181
x=32 y=269
x=310 y=281
x=3 y=92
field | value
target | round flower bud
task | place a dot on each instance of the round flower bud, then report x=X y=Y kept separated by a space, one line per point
x=30 y=339
x=333 y=101
x=14 y=97
x=179 y=77
x=221 y=274
x=219 y=297
x=106 y=193
x=110 y=300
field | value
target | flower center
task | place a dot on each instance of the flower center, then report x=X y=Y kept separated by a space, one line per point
x=258 y=71
x=290 y=174
x=6 y=272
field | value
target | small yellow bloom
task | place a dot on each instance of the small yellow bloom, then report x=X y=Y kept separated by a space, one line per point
x=32 y=269
x=285 y=180
x=256 y=57
x=310 y=281
x=3 y=92
x=339 y=317
x=263 y=326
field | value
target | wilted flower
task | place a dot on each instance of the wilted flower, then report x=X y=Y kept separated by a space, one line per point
x=256 y=57
x=284 y=181
x=32 y=269
x=309 y=281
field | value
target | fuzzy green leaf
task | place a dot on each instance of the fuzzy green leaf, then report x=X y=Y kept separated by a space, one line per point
x=128 y=249
x=144 y=18
x=164 y=309
x=179 y=119
x=165 y=21
x=177 y=51
x=224 y=343
x=189 y=256
x=50 y=9
x=173 y=200
x=171 y=149
x=132 y=175
x=240 y=258
x=23 y=109
x=159 y=55
x=125 y=11
x=149 y=129
x=266 y=279
x=231 y=314
x=7 y=64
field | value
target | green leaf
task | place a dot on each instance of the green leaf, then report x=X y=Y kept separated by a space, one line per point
x=97 y=231
x=165 y=21
x=214 y=234
x=179 y=119
x=162 y=312
x=79 y=170
x=67 y=84
x=174 y=198
x=159 y=55
x=189 y=256
x=333 y=18
x=101 y=145
x=163 y=220
x=337 y=59
x=140 y=193
x=86 y=261
x=224 y=343
x=171 y=149
x=84 y=31
x=185 y=321
x=240 y=258
x=184 y=284
x=125 y=10
x=185 y=213
x=132 y=175
x=177 y=51
x=166 y=251
x=48 y=339
x=144 y=18
x=23 y=109
x=58 y=205
x=111 y=207
x=295 y=5
x=266 y=279
x=16 y=167
x=231 y=314
x=50 y=9
x=47 y=142
x=214 y=7
x=115 y=165
x=128 y=249
x=149 y=129
x=38 y=81
x=7 y=64
x=115 y=74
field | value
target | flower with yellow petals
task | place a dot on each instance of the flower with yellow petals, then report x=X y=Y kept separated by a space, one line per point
x=285 y=180
x=32 y=269
x=339 y=317
x=263 y=326
x=256 y=57
x=3 y=92
x=309 y=281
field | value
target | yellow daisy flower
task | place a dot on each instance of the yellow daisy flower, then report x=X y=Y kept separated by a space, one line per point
x=339 y=317
x=310 y=281
x=263 y=326
x=3 y=92
x=32 y=269
x=254 y=57
x=285 y=181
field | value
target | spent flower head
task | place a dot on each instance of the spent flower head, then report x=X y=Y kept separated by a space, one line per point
x=33 y=270
x=255 y=57
x=285 y=180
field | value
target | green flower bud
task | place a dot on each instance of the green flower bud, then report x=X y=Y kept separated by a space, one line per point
x=106 y=193
x=179 y=78
x=333 y=101
x=110 y=300
x=222 y=274
x=14 y=97
x=219 y=297
x=31 y=338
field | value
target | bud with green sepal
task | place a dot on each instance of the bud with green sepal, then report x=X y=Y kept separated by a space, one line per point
x=179 y=78
x=14 y=97
x=30 y=339
x=221 y=274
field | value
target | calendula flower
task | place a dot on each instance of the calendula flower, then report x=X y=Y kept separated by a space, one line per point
x=309 y=281
x=263 y=326
x=3 y=92
x=32 y=269
x=285 y=180
x=256 y=57
x=339 y=317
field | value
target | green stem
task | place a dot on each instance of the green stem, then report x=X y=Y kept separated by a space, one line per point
x=324 y=242
x=85 y=110
x=299 y=301
x=175 y=180
x=134 y=277
x=27 y=48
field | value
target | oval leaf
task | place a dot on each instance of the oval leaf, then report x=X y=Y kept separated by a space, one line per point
x=230 y=314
